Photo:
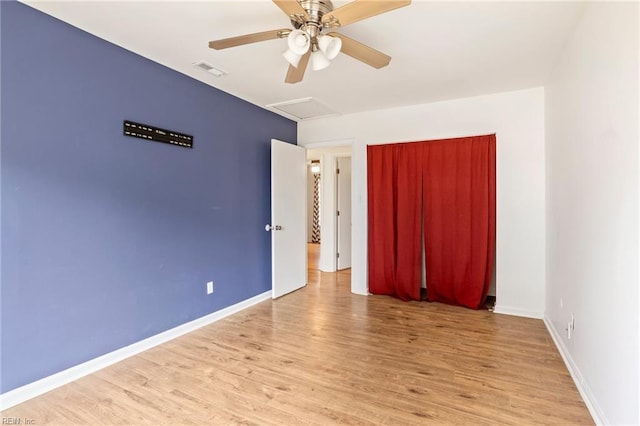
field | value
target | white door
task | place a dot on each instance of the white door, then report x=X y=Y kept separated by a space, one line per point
x=288 y=218
x=344 y=212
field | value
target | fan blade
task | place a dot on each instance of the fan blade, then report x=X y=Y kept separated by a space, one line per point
x=358 y=10
x=294 y=75
x=362 y=52
x=248 y=38
x=293 y=10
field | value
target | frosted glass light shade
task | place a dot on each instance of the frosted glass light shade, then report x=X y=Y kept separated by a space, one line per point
x=319 y=61
x=292 y=58
x=330 y=46
x=298 y=42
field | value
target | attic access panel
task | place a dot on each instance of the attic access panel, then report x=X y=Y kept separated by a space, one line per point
x=303 y=109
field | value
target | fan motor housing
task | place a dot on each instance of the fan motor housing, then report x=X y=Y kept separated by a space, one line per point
x=315 y=9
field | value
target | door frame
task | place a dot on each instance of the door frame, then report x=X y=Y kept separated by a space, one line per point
x=341 y=217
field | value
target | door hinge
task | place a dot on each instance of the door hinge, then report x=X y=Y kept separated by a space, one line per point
x=338 y=255
x=337 y=212
x=337 y=171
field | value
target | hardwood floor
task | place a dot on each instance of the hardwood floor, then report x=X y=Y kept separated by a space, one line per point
x=322 y=355
x=313 y=255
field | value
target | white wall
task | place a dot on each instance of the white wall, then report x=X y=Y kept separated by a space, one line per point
x=517 y=118
x=592 y=208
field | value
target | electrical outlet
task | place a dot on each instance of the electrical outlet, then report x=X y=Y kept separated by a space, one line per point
x=210 y=287
x=571 y=326
x=561 y=303
x=573 y=322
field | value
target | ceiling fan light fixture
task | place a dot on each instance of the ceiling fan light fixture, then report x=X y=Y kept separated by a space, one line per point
x=319 y=61
x=306 y=42
x=330 y=46
x=292 y=57
x=298 y=42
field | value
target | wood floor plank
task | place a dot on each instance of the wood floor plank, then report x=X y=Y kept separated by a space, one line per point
x=322 y=355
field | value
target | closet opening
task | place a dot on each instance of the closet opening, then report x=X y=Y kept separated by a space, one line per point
x=432 y=220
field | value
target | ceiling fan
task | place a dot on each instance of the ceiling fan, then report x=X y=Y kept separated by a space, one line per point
x=309 y=19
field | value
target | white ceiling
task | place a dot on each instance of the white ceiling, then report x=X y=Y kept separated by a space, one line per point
x=440 y=50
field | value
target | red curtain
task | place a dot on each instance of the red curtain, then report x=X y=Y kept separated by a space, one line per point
x=395 y=220
x=459 y=220
x=447 y=186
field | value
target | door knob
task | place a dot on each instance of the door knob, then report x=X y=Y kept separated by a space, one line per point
x=272 y=228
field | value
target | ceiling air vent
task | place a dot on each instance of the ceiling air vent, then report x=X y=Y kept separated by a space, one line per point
x=210 y=68
x=303 y=109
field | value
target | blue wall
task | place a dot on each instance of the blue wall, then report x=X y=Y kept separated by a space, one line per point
x=106 y=239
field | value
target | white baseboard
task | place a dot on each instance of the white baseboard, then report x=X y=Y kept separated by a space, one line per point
x=31 y=390
x=509 y=310
x=587 y=396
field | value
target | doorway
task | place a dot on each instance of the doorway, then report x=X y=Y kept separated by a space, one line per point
x=314 y=185
x=329 y=207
